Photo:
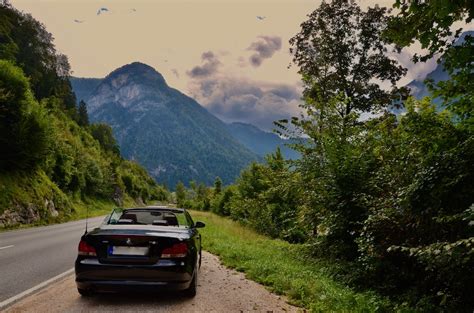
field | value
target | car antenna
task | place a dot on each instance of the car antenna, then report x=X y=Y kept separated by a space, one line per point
x=87 y=218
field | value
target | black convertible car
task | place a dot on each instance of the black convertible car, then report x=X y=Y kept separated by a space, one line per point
x=140 y=249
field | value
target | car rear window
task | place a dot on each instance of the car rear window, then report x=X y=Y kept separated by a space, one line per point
x=150 y=217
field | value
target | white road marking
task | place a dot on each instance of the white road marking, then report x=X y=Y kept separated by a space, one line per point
x=6 y=247
x=25 y=293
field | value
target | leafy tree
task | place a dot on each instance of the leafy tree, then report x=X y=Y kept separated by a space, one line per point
x=340 y=51
x=180 y=194
x=83 y=117
x=25 y=136
x=431 y=24
x=27 y=43
x=220 y=203
x=342 y=58
x=266 y=197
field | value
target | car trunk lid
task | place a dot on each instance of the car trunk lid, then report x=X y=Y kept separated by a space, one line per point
x=134 y=244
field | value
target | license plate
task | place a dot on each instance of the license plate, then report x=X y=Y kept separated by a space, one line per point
x=136 y=251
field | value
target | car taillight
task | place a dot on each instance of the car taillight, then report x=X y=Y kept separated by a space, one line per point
x=86 y=249
x=179 y=250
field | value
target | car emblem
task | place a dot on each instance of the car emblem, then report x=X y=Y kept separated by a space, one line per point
x=129 y=242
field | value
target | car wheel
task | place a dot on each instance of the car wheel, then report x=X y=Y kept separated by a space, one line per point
x=191 y=291
x=85 y=292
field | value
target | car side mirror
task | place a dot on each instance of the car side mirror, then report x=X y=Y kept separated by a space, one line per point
x=199 y=225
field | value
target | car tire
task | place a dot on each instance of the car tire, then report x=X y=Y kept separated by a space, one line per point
x=191 y=291
x=85 y=292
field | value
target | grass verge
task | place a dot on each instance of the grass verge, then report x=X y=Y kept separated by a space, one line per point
x=283 y=268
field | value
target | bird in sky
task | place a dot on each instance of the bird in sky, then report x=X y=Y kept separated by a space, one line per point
x=102 y=10
x=261 y=18
x=78 y=21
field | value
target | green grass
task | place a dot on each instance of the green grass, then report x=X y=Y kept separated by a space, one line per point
x=283 y=268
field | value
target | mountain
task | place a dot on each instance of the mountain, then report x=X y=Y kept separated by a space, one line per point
x=419 y=89
x=169 y=133
x=259 y=141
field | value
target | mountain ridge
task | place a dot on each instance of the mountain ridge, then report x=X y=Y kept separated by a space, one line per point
x=260 y=141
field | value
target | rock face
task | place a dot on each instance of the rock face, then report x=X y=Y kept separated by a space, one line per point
x=169 y=133
x=19 y=214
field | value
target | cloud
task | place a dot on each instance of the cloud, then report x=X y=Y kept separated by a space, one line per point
x=210 y=66
x=234 y=99
x=263 y=48
x=416 y=71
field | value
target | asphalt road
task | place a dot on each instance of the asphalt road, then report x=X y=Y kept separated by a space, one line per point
x=31 y=256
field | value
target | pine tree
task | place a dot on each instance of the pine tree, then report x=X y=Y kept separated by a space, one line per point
x=83 y=118
x=217 y=185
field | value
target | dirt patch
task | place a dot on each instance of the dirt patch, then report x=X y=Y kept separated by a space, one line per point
x=220 y=290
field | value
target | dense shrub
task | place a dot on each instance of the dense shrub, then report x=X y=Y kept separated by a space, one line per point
x=418 y=234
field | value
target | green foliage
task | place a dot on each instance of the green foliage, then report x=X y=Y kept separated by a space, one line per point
x=418 y=232
x=139 y=184
x=103 y=134
x=390 y=196
x=220 y=203
x=264 y=197
x=197 y=198
x=180 y=194
x=25 y=136
x=267 y=198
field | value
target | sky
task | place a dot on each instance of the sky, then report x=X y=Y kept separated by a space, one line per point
x=232 y=56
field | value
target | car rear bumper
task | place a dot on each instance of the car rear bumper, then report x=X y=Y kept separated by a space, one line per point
x=164 y=275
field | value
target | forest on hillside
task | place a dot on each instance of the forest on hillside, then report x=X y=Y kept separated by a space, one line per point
x=389 y=198
x=52 y=158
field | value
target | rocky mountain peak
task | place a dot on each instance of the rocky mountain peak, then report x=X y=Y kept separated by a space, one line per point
x=135 y=72
x=127 y=85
